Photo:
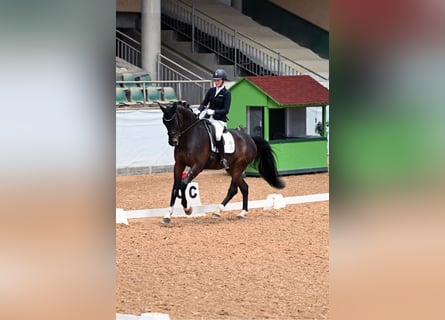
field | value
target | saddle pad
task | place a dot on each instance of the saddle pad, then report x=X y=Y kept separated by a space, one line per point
x=229 y=143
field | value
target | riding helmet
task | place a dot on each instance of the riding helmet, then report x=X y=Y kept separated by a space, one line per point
x=220 y=74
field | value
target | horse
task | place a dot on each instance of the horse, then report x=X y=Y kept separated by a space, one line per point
x=190 y=138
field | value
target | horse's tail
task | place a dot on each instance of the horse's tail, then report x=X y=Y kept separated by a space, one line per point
x=265 y=163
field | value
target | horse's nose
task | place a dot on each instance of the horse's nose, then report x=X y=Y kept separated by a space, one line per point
x=173 y=142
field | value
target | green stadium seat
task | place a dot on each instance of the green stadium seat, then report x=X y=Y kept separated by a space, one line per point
x=145 y=77
x=170 y=94
x=118 y=78
x=121 y=96
x=136 y=95
x=153 y=94
x=129 y=77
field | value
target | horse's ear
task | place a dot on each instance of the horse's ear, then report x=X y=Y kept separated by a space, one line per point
x=163 y=107
x=184 y=104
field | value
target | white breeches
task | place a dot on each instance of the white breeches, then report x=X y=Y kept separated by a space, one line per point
x=219 y=127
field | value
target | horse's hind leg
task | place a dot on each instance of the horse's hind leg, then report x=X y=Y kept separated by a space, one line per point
x=233 y=189
x=244 y=188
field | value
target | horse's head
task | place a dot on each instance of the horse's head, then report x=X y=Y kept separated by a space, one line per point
x=171 y=122
x=178 y=118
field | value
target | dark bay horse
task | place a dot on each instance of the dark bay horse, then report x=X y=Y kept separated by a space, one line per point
x=192 y=145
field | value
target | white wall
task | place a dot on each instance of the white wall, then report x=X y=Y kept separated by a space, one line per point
x=314 y=115
x=141 y=139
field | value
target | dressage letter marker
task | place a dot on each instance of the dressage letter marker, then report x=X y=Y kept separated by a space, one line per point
x=192 y=195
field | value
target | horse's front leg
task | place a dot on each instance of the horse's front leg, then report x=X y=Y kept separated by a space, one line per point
x=186 y=179
x=174 y=194
x=187 y=208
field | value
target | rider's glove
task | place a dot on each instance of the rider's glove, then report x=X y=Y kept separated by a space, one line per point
x=210 y=112
x=202 y=115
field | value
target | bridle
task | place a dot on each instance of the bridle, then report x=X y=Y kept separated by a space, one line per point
x=174 y=134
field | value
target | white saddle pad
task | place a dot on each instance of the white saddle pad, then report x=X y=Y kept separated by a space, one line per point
x=229 y=143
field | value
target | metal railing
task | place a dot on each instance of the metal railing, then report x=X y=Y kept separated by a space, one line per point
x=241 y=50
x=188 y=86
x=126 y=48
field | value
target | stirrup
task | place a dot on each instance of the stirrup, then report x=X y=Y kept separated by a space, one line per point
x=224 y=164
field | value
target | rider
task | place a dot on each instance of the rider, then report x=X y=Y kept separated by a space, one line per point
x=218 y=98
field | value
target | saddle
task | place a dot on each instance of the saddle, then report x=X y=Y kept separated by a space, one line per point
x=229 y=142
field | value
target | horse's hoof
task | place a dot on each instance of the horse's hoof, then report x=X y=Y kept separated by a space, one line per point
x=166 y=221
x=188 y=211
x=215 y=215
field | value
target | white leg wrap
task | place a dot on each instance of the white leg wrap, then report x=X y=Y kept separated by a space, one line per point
x=169 y=213
x=242 y=214
x=218 y=211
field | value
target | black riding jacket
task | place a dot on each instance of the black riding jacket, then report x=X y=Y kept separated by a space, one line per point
x=220 y=103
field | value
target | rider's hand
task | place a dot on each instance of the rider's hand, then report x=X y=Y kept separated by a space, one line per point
x=210 y=112
x=202 y=115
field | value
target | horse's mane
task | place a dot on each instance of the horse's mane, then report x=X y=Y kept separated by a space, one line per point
x=184 y=108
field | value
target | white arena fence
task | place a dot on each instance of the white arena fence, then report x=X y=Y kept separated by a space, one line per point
x=273 y=201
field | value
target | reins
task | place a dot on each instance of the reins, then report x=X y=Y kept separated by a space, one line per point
x=189 y=127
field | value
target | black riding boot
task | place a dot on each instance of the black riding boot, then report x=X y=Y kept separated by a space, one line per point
x=220 y=146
